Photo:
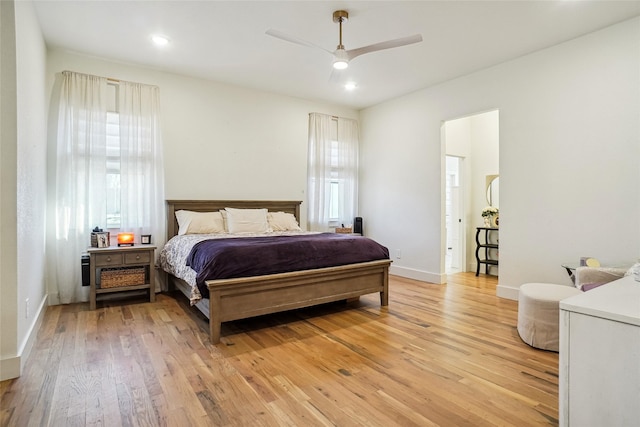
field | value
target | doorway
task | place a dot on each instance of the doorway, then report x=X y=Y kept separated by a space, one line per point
x=471 y=154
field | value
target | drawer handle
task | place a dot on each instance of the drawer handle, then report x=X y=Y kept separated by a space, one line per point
x=108 y=259
x=137 y=256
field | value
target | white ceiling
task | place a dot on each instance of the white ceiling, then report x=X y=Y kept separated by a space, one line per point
x=225 y=41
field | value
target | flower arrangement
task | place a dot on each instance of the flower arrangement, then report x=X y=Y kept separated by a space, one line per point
x=489 y=211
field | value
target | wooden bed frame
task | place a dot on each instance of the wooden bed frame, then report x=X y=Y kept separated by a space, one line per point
x=233 y=299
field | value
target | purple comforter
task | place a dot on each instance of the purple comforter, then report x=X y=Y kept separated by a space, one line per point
x=255 y=256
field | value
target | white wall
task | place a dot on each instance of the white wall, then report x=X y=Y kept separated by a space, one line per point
x=23 y=201
x=32 y=181
x=220 y=141
x=569 y=170
x=9 y=361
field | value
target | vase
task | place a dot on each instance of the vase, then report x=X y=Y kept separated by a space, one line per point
x=487 y=221
x=495 y=220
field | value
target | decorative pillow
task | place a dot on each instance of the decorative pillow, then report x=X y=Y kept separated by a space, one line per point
x=190 y=222
x=247 y=220
x=282 y=221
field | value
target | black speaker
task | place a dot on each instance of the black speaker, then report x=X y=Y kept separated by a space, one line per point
x=84 y=263
x=357 y=225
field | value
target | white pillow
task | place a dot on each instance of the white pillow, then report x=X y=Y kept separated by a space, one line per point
x=224 y=220
x=247 y=220
x=190 y=222
x=282 y=221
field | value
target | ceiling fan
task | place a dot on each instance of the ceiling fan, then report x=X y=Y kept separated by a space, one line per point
x=341 y=56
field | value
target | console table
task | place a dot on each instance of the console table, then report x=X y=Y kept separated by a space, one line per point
x=600 y=356
x=487 y=245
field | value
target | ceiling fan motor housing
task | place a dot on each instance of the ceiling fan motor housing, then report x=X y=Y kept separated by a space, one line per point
x=340 y=16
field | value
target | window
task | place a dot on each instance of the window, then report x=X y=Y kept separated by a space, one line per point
x=113 y=170
x=332 y=171
x=334 y=187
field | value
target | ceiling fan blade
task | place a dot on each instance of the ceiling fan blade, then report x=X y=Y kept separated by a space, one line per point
x=417 y=38
x=292 y=39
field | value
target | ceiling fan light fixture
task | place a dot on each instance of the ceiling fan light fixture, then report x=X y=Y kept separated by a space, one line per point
x=340 y=64
x=341 y=59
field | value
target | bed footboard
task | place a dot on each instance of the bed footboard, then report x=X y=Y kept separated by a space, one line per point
x=233 y=299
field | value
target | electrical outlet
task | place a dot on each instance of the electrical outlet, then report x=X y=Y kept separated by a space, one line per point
x=26 y=308
x=398 y=254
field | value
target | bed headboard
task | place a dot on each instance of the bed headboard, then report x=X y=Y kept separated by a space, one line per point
x=288 y=206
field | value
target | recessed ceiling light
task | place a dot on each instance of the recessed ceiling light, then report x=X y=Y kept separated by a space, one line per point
x=350 y=86
x=159 y=40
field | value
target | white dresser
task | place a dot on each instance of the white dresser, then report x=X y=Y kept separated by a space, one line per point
x=600 y=356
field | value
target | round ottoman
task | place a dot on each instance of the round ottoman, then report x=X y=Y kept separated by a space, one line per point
x=539 y=313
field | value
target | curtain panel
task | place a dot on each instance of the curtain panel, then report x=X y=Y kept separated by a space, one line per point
x=141 y=162
x=332 y=167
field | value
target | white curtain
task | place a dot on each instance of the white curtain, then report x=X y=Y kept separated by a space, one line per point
x=332 y=167
x=141 y=163
x=81 y=173
x=80 y=179
x=347 y=171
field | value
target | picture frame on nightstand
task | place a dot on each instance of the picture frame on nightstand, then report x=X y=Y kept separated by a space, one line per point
x=102 y=239
x=145 y=239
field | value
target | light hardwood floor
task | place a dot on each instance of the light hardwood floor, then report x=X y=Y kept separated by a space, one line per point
x=443 y=355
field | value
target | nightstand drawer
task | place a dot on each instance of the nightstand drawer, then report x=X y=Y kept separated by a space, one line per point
x=137 y=257
x=108 y=259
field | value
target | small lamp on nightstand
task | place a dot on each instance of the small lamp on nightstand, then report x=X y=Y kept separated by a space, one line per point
x=125 y=239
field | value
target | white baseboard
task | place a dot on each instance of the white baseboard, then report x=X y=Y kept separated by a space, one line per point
x=423 y=276
x=11 y=367
x=507 y=292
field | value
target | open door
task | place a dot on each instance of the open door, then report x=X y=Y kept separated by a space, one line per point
x=454 y=261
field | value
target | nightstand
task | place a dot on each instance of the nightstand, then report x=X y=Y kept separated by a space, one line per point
x=125 y=268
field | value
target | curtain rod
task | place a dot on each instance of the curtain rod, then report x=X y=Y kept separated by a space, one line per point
x=333 y=117
x=111 y=79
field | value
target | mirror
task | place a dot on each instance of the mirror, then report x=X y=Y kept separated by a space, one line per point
x=493 y=190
